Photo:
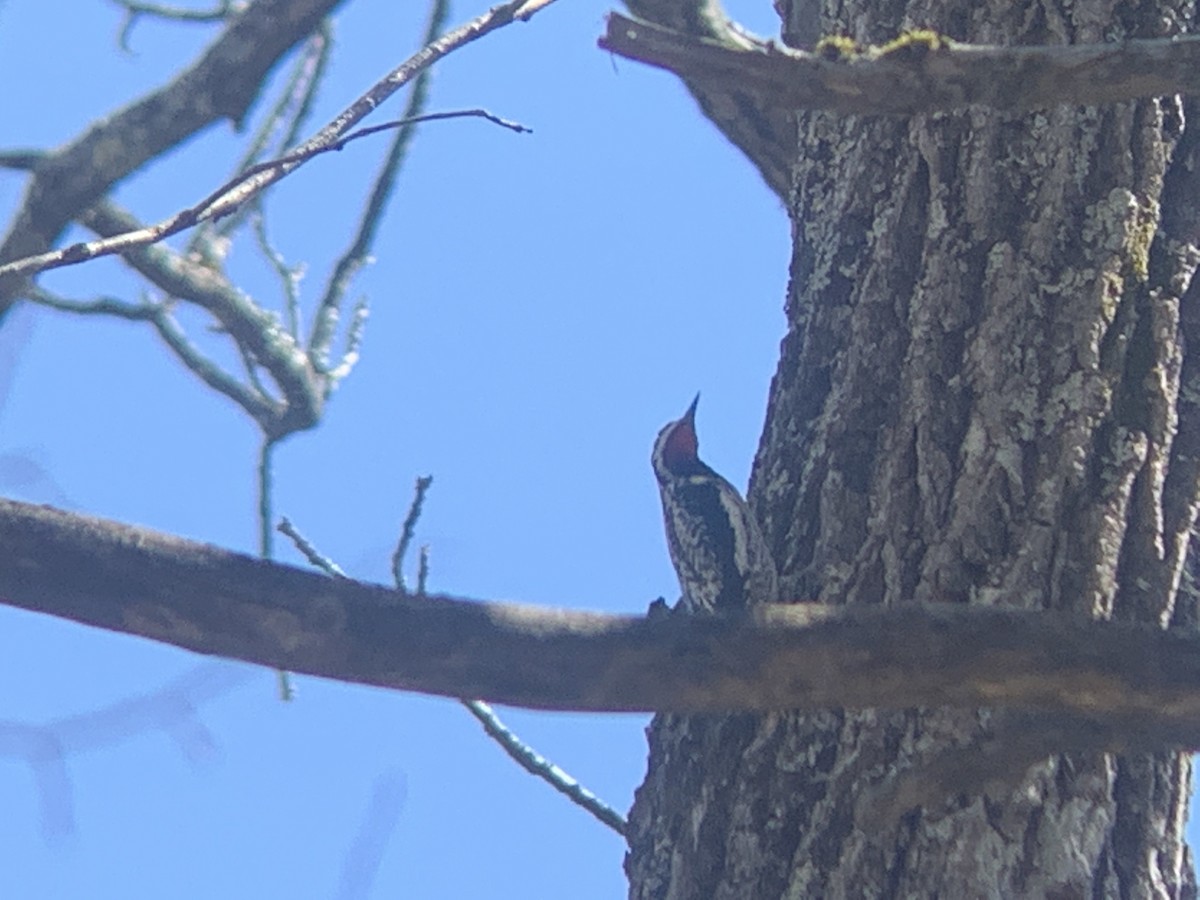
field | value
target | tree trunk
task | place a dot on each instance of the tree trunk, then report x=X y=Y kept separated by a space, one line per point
x=987 y=394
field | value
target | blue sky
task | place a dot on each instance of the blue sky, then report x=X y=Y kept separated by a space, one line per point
x=541 y=305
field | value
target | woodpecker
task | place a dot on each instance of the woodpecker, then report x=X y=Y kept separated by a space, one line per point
x=716 y=545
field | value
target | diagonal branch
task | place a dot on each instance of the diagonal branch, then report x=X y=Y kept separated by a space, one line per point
x=518 y=750
x=1135 y=686
x=355 y=257
x=254 y=329
x=221 y=84
x=244 y=187
x=256 y=402
x=290 y=113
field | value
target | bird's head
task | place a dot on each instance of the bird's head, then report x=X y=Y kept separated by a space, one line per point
x=676 y=447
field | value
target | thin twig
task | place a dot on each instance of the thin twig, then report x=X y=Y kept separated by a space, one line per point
x=134 y=10
x=422 y=569
x=311 y=553
x=519 y=751
x=265 y=475
x=289 y=276
x=256 y=331
x=241 y=189
x=225 y=199
x=316 y=65
x=220 y=84
x=250 y=365
x=223 y=10
x=536 y=764
x=354 y=336
x=260 y=407
x=407 y=530
x=101 y=306
x=294 y=103
x=355 y=256
x=266 y=547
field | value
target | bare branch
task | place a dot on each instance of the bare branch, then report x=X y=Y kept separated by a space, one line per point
x=134 y=10
x=266 y=475
x=325 y=320
x=289 y=276
x=310 y=75
x=918 y=73
x=293 y=108
x=537 y=765
x=1136 y=686
x=258 y=406
x=255 y=330
x=408 y=529
x=311 y=553
x=229 y=197
x=423 y=570
x=266 y=536
x=256 y=403
x=328 y=310
x=221 y=84
x=101 y=306
x=519 y=751
x=223 y=10
x=350 y=355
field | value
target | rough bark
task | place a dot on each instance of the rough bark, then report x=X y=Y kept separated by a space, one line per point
x=987 y=390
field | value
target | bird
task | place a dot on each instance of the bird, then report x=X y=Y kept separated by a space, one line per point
x=716 y=545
